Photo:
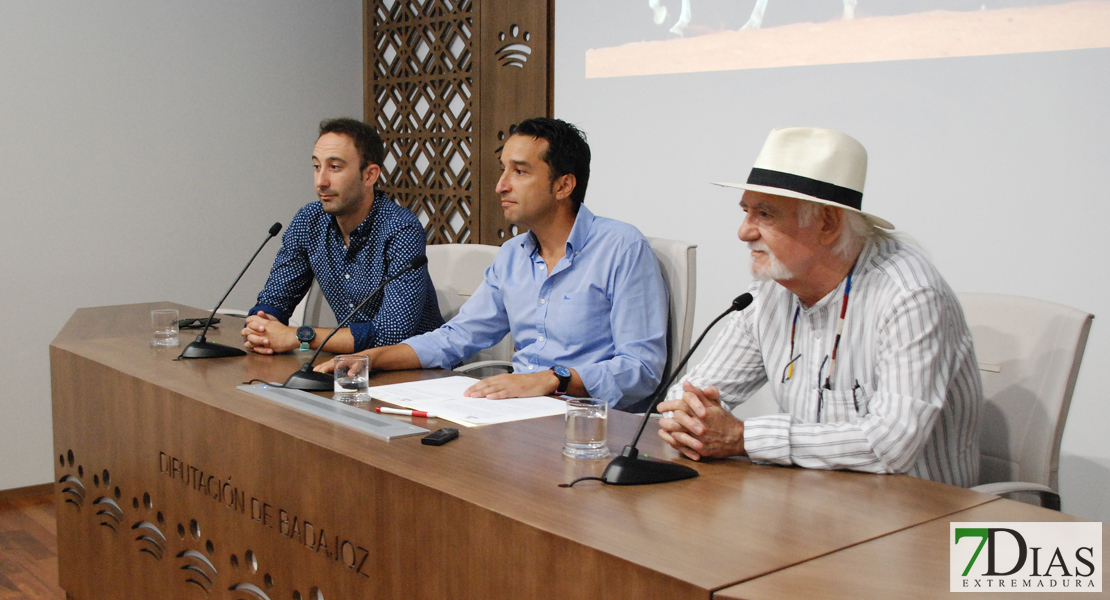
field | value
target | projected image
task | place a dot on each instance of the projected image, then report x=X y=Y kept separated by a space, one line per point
x=683 y=36
x=659 y=10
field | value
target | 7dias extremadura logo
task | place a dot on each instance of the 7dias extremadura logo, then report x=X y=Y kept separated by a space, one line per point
x=1025 y=557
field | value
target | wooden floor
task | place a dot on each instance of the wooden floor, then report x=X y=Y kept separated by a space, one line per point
x=29 y=550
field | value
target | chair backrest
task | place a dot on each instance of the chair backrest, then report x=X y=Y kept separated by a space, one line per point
x=1029 y=353
x=679 y=263
x=457 y=270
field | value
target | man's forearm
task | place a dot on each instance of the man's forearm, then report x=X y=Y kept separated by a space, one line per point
x=341 y=343
x=575 y=387
x=393 y=358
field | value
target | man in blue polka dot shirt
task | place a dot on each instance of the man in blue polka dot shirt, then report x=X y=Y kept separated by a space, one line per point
x=349 y=241
x=582 y=295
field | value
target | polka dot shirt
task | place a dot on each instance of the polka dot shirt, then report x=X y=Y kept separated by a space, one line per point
x=383 y=244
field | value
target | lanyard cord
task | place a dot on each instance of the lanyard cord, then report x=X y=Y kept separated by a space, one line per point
x=793 y=329
x=839 y=326
x=789 y=373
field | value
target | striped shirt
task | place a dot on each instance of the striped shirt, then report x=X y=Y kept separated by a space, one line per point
x=905 y=394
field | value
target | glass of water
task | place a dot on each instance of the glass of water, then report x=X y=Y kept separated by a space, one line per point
x=163 y=323
x=587 y=425
x=352 y=378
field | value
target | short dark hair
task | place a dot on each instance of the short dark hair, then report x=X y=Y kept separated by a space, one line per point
x=567 y=151
x=367 y=142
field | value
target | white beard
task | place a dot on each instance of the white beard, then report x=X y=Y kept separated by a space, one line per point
x=774 y=270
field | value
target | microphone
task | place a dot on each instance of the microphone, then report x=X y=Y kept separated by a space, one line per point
x=201 y=347
x=629 y=468
x=307 y=379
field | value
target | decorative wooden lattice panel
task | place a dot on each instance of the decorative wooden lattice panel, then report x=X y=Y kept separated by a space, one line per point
x=426 y=62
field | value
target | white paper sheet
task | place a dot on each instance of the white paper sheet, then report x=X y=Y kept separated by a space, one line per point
x=444 y=398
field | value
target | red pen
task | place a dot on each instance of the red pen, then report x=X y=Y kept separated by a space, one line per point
x=407 y=413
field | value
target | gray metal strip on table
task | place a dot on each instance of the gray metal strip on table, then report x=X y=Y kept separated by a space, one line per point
x=376 y=425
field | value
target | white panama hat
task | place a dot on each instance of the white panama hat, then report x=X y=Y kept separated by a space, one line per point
x=807 y=163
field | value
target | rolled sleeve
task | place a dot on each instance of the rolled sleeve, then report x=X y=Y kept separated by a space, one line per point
x=638 y=320
x=364 y=335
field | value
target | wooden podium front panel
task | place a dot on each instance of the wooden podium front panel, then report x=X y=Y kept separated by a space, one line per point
x=173 y=484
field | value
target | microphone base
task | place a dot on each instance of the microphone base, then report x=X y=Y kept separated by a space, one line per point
x=629 y=469
x=310 y=381
x=205 y=349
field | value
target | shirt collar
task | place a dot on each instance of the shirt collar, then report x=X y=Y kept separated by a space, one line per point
x=581 y=230
x=367 y=224
x=579 y=233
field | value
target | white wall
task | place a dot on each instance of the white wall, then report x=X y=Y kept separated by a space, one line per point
x=996 y=164
x=145 y=149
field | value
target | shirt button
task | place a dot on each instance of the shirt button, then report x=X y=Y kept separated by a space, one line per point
x=348 y=275
x=541 y=338
x=350 y=305
x=543 y=300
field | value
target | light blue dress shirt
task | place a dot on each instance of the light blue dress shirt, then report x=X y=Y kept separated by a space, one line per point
x=602 y=311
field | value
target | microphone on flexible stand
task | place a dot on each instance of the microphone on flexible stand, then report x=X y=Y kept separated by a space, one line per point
x=307 y=379
x=201 y=347
x=629 y=468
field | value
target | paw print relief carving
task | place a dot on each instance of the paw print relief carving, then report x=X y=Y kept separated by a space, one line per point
x=108 y=513
x=516 y=52
x=198 y=570
x=247 y=590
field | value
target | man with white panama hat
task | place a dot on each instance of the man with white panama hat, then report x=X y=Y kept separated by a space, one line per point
x=863 y=344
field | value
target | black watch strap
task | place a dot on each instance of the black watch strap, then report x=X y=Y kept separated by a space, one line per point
x=563 y=374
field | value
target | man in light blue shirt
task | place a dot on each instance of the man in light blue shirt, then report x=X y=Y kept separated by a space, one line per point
x=582 y=295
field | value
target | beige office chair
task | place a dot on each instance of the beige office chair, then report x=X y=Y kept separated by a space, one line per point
x=679 y=263
x=457 y=270
x=1029 y=353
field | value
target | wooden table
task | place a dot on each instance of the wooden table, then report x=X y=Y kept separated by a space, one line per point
x=913 y=563
x=174 y=484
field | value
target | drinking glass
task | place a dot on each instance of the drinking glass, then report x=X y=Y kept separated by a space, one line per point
x=163 y=323
x=352 y=378
x=586 y=428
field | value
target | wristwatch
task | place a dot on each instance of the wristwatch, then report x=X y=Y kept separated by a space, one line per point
x=305 y=335
x=563 y=374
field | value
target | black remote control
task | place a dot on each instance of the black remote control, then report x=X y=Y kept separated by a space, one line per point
x=440 y=436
